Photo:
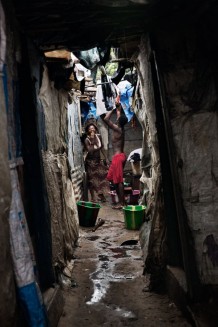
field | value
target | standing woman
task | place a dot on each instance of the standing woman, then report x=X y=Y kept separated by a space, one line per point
x=95 y=168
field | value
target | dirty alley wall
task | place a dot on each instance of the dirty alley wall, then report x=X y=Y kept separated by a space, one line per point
x=15 y=223
x=7 y=286
x=187 y=59
x=61 y=195
x=75 y=151
x=152 y=234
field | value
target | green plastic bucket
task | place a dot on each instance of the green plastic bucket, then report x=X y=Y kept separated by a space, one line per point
x=134 y=216
x=88 y=213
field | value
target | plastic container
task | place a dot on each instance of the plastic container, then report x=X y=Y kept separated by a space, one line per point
x=88 y=213
x=134 y=216
x=134 y=197
x=114 y=197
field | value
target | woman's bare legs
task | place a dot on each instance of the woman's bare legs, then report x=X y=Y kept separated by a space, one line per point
x=93 y=196
x=101 y=197
x=120 y=194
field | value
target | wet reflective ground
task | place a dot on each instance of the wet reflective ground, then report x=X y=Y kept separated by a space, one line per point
x=108 y=285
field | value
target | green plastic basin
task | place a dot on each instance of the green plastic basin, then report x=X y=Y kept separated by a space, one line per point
x=88 y=213
x=134 y=216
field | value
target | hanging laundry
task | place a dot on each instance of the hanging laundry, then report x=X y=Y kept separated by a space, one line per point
x=135 y=155
x=108 y=92
x=88 y=111
x=81 y=72
x=105 y=96
x=93 y=57
x=92 y=111
x=126 y=90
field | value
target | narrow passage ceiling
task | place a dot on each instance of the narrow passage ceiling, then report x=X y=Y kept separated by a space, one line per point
x=84 y=24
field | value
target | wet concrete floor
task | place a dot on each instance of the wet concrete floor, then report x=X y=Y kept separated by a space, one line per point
x=107 y=286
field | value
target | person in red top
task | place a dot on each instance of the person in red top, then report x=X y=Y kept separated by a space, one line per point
x=115 y=173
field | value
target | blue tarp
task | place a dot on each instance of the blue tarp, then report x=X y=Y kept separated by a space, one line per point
x=88 y=110
x=33 y=308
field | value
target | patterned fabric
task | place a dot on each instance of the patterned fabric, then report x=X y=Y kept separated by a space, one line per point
x=96 y=175
x=77 y=176
x=115 y=173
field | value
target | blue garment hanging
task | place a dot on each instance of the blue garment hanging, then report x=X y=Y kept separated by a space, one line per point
x=125 y=95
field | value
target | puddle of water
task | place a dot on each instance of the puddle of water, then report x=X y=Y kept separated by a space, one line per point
x=131 y=248
x=101 y=282
x=130 y=242
x=105 y=243
x=105 y=265
x=123 y=313
x=119 y=276
x=120 y=252
x=92 y=238
x=100 y=289
x=126 y=314
x=96 y=275
x=103 y=257
x=104 y=275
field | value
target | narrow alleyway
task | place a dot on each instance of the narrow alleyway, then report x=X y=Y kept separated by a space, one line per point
x=108 y=285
